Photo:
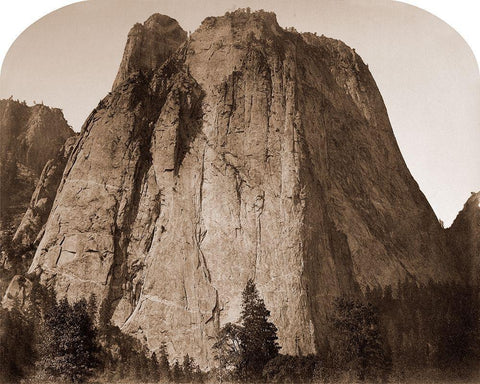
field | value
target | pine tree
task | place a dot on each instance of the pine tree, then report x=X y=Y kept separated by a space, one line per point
x=16 y=346
x=188 y=368
x=258 y=338
x=359 y=344
x=68 y=347
x=227 y=348
x=85 y=333
x=244 y=350
x=197 y=375
x=177 y=373
x=154 y=368
x=92 y=307
x=163 y=364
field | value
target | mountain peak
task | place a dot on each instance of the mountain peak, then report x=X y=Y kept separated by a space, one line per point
x=243 y=22
x=149 y=45
x=471 y=207
x=245 y=16
x=30 y=137
x=159 y=20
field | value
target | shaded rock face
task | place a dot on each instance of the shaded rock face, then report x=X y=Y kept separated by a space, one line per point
x=18 y=290
x=252 y=152
x=464 y=240
x=30 y=136
x=30 y=230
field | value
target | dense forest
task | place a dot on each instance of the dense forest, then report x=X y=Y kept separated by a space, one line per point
x=412 y=332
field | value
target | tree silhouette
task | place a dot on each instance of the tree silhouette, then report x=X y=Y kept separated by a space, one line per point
x=243 y=350
x=188 y=368
x=358 y=342
x=163 y=364
x=16 y=349
x=258 y=338
x=177 y=373
x=68 y=347
x=227 y=348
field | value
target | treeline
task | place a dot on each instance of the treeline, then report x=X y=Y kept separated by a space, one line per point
x=50 y=340
x=432 y=329
x=414 y=332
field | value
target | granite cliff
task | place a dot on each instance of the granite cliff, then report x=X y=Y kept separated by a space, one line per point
x=30 y=137
x=243 y=151
x=30 y=230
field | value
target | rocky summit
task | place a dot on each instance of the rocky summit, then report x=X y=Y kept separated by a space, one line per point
x=243 y=151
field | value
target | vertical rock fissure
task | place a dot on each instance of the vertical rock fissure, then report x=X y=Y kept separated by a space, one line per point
x=190 y=122
x=199 y=233
x=238 y=191
x=259 y=204
x=140 y=136
x=300 y=156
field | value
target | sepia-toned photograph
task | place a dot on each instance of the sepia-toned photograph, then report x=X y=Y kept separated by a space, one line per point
x=240 y=192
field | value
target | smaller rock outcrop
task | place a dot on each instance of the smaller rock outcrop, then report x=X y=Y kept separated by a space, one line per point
x=29 y=137
x=464 y=239
x=19 y=290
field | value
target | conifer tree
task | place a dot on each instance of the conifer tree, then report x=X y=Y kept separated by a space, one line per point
x=68 y=347
x=188 y=368
x=244 y=350
x=163 y=364
x=154 y=368
x=177 y=373
x=258 y=338
x=16 y=349
x=92 y=307
x=359 y=344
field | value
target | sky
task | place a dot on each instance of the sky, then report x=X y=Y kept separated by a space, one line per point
x=425 y=71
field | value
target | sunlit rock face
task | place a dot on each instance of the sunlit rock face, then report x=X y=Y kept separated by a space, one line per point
x=249 y=152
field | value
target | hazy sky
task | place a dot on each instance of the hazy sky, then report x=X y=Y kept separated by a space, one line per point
x=426 y=73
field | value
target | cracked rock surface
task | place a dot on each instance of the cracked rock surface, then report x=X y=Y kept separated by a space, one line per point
x=30 y=229
x=244 y=151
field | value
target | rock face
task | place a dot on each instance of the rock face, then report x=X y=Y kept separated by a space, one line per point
x=251 y=152
x=464 y=239
x=30 y=136
x=30 y=230
x=149 y=45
